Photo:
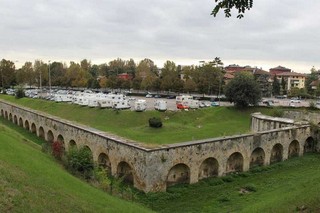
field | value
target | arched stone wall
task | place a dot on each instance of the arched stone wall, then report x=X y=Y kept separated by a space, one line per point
x=276 y=153
x=310 y=145
x=294 y=149
x=125 y=171
x=26 y=125
x=50 y=137
x=72 y=144
x=2 y=113
x=257 y=157
x=209 y=168
x=179 y=173
x=20 y=122
x=41 y=133
x=61 y=140
x=10 y=117
x=235 y=163
x=15 y=119
x=104 y=162
x=34 y=130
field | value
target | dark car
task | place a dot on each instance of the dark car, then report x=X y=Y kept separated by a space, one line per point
x=171 y=97
x=157 y=96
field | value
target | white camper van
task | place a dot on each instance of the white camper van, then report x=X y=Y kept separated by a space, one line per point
x=160 y=105
x=140 y=105
x=123 y=104
x=182 y=98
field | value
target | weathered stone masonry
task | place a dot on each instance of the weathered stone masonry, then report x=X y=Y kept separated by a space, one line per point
x=273 y=140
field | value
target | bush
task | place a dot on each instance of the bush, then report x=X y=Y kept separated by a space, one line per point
x=57 y=149
x=312 y=105
x=155 y=122
x=80 y=162
x=250 y=187
x=278 y=113
x=20 y=93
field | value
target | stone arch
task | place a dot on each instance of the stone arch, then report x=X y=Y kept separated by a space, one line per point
x=294 y=149
x=209 y=168
x=50 y=137
x=6 y=115
x=20 y=122
x=124 y=170
x=104 y=162
x=235 y=163
x=89 y=150
x=41 y=132
x=276 y=153
x=257 y=157
x=26 y=125
x=15 y=119
x=61 y=140
x=10 y=117
x=34 y=128
x=179 y=173
x=310 y=145
x=2 y=113
x=72 y=144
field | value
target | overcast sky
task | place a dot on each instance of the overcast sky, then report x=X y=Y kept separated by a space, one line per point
x=272 y=33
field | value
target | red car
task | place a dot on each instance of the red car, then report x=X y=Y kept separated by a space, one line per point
x=181 y=106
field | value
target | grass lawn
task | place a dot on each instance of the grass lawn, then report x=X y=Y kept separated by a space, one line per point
x=31 y=181
x=284 y=187
x=178 y=126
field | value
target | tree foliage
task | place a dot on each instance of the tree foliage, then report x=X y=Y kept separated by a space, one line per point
x=243 y=90
x=228 y=5
x=275 y=86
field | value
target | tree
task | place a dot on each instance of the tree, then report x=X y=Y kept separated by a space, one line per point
x=227 y=5
x=275 y=86
x=243 y=90
x=7 y=72
x=283 y=86
x=313 y=76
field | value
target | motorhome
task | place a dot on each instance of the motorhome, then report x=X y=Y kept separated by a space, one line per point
x=192 y=104
x=123 y=104
x=140 y=105
x=182 y=98
x=160 y=105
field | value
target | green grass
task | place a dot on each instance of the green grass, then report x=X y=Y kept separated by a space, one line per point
x=31 y=181
x=282 y=187
x=178 y=126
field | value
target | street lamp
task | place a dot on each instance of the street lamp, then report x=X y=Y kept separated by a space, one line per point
x=49 y=79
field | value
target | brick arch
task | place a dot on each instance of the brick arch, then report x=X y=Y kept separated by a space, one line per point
x=294 y=149
x=10 y=117
x=41 y=133
x=15 y=119
x=309 y=145
x=50 y=136
x=20 y=122
x=26 y=125
x=125 y=171
x=34 y=129
x=235 y=163
x=257 y=157
x=276 y=153
x=180 y=173
x=104 y=162
x=208 y=168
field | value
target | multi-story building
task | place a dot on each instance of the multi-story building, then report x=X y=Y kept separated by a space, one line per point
x=292 y=79
x=279 y=69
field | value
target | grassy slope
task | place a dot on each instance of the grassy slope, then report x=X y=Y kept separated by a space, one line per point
x=178 y=126
x=30 y=181
x=283 y=187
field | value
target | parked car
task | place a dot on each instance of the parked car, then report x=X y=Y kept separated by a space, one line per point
x=181 y=106
x=171 y=97
x=295 y=100
x=157 y=96
x=214 y=103
x=149 y=96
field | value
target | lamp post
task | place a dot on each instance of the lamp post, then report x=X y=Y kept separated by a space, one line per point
x=49 y=79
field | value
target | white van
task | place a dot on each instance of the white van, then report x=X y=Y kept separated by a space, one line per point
x=160 y=105
x=140 y=105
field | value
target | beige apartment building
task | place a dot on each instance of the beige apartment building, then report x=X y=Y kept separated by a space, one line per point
x=292 y=79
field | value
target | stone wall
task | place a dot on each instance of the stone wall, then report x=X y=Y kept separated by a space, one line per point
x=147 y=169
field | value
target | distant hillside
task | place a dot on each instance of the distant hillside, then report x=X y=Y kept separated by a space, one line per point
x=31 y=181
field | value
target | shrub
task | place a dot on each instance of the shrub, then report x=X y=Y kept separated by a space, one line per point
x=312 y=105
x=80 y=162
x=57 y=149
x=250 y=187
x=278 y=113
x=20 y=93
x=155 y=122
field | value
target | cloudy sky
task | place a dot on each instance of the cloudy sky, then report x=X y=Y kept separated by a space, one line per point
x=273 y=32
